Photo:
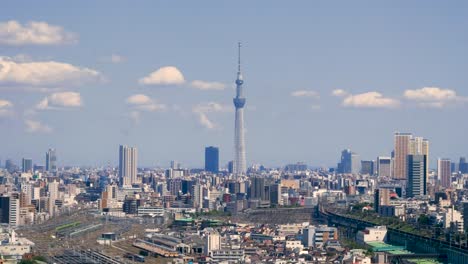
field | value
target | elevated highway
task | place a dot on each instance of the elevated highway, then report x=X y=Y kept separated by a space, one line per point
x=413 y=242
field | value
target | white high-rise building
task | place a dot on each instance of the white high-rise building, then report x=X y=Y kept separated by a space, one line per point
x=197 y=196
x=454 y=218
x=53 y=188
x=127 y=165
x=212 y=242
x=240 y=163
x=14 y=213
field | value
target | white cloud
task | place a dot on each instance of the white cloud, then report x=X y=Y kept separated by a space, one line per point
x=370 y=100
x=60 y=100
x=5 y=103
x=211 y=107
x=339 y=93
x=305 y=93
x=36 y=127
x=138 y=99
x=168 y=75
x=434 y=97
x=202 y=110
x=430 y=94
x=34 y=33
x=145 y=103
x=114 y=58
x=205 y=121
x=5 y=108
x=45 y=73
x=204 y=85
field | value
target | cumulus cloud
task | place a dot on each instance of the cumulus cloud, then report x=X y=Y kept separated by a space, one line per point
x=434 y=97
x=34 y=33
x=168 y=75
x=45 y=73
x=202 y=111
x=144 y=103
x=60 y=100
x=305 y=93
x=204 y=85
x=339 y=93
x=33 y=126
x=369 y=100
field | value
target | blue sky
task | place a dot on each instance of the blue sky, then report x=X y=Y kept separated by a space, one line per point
x=320 y=76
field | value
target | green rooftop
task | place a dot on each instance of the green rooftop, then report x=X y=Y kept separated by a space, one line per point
x=378 y=246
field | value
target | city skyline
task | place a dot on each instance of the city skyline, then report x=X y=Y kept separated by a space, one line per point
x=317 y=83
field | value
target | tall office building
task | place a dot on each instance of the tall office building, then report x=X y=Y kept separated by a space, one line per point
x=349 y=162
x=10 y=166
x=401 y=152
x=444 y=172
x=240 y=163
x=384 y=166
x=367 y=167
x=175 y=165
x=257 y=188
x=463 y=165
x=275 y=193
x=53 y=188
x=465 y=215
x=127 y=165
x=212 y=159
x=27 y=165
x=381 y=198
x=51 y=160
x=417 y=175
x=197 y=193
x=420 y=146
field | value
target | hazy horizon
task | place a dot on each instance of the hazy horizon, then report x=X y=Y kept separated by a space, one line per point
x=85 y=78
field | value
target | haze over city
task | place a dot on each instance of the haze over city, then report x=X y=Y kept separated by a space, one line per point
x=318 y=79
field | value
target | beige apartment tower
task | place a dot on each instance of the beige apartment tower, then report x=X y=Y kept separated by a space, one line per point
x=400 y=159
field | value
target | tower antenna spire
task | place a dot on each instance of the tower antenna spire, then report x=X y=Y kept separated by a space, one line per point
x=239 y=58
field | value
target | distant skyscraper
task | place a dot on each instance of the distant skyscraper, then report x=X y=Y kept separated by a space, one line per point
x=367 y=167
x=27 y=165
x=420 y=146
x=127 y=165
x=212 y=159
x=444 y=172
x=463 y=166
x=231 y=166
x=51 y=160
x=175 y=165
x=257 y=188
x=240 y=164
x=417 y=175
x=10 y=166
x=402 y=144
x=384 y=166
x=349 y=162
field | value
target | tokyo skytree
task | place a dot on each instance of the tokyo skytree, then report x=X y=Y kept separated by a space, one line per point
x=240 y=166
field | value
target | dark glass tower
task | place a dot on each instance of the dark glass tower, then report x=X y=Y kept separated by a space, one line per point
x=417 y=175
x=212 y=159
